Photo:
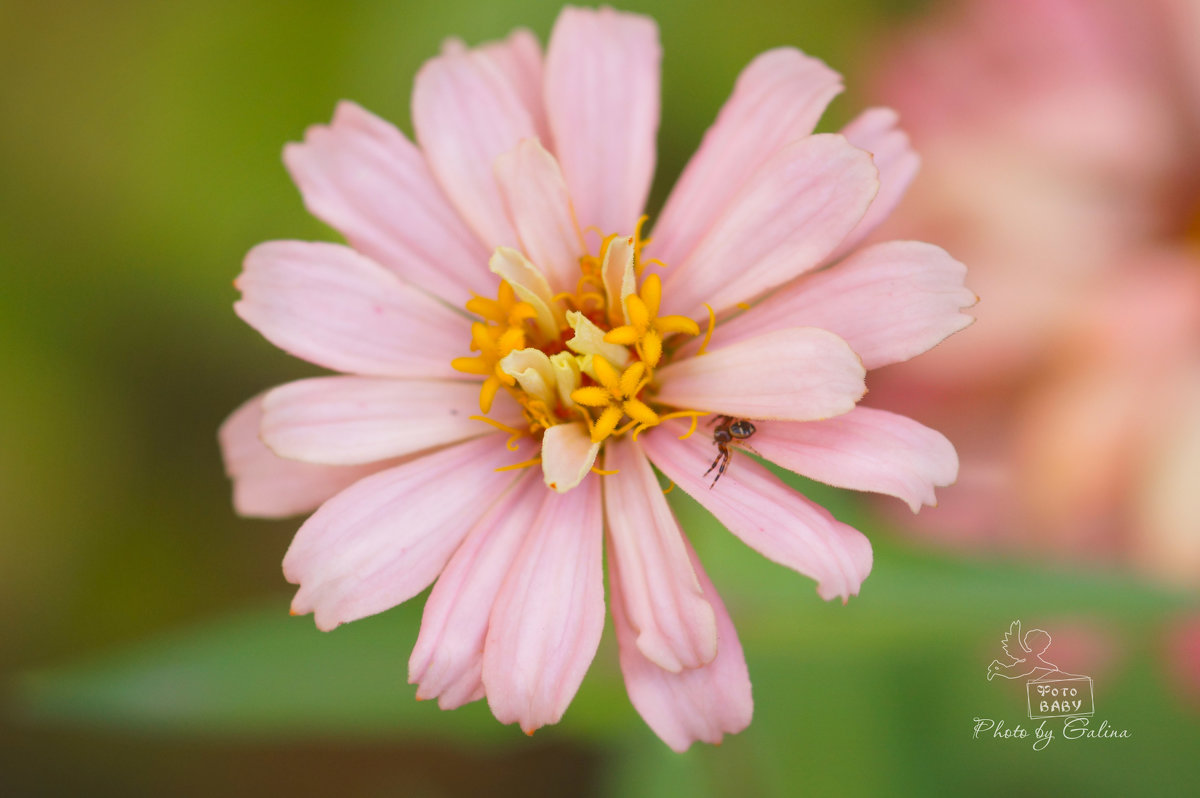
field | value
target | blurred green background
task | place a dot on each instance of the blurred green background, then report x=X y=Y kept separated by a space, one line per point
x=147 y=648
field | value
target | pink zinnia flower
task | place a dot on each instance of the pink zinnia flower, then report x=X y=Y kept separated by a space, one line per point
x=528 y=185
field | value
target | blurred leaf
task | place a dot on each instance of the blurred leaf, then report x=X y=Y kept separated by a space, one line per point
x=260 y=672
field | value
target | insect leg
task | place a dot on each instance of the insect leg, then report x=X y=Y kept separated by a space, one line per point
x=721 y=470
x=716 y=460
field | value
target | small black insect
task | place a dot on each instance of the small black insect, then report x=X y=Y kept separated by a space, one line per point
x=730 y=431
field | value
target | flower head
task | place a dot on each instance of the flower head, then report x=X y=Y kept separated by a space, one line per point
x=497 y=445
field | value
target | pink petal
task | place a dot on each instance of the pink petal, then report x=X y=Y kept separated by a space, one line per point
x=466 y=113
x=267 y=486
x=549 y=614
x=778 y=99
x=785 y=220
x=890 y=302
x=333 y=307
x=695 y=704
x=673 y=625
x=875 y=130
x=567 y=456
x=519 y=57
x=765 y=513
x=447 y=661
x=386 y=538
x=350 y=420
x=536 y=197
x=365 y=179
x=797 y=374
x=865 y=449
x=602 y=77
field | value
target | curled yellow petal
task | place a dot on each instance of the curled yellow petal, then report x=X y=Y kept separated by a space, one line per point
x=652 y=348
x=487 y=394
x=489 y=309
x=630 y=379
x=624 y=336
x=510 y=339
x=471 y=365
x=639 y=314
x=591 y=396
x=606 y=375
x=639 y=411
x=651 y=293
x=668 y=325
x=606 y=423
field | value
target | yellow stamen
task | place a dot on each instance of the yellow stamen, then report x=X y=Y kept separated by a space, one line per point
x=646 y=330
x=618 y=341
x=669 y=488
x=604 y=473
x=522 y=464
x=638 y=244
x=587 y=419
x=621 y=430
x=712 y=322
x=564 y=296
x=595 y=296
x=695 y=416
x=511 y=444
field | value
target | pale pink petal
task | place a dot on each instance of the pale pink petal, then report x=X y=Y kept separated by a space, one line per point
x=890 y=302
x=447 y=661
x=549 y=614
x=386 y=538
x=365 y=179
x=798 y=374
x=333 y=307
x=673 y=625
x=602 y=76
x=695 y=704
x=350 y=420
x=267 y=486
x=766 y=514
x=567 y=455
x=875 y=130
x=865 y=449
x=466 y=113
x=536 y=197
x=778 y=99
x=785 y=220
x=519 y=57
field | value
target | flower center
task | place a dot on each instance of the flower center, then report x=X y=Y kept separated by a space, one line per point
x=584 y=355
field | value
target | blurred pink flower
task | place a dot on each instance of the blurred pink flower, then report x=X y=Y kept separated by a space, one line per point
x=1074 y=405
x=583 y=355
x=1182 y=656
